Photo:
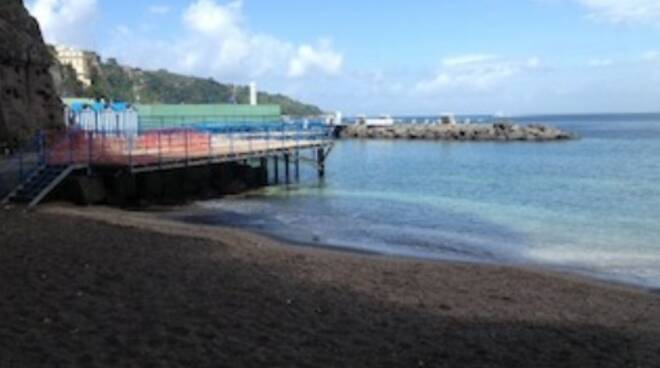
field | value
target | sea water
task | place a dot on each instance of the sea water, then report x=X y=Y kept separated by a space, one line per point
x=590 y=205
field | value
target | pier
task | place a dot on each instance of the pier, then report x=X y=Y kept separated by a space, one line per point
x=139 y=165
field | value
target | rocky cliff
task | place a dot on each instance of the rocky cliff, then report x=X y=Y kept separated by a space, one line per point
x=28 y=100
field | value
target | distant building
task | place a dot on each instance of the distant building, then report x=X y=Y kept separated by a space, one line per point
x=83 y=62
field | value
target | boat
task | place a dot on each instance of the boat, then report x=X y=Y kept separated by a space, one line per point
x=447 y=119
x=383 y=120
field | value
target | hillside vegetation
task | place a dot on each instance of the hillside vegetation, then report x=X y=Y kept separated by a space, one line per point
x=112 y=80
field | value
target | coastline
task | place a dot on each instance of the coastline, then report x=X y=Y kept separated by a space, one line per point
x=148 y=220
x=103 y=287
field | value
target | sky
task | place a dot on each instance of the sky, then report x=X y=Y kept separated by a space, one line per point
x=399 y=57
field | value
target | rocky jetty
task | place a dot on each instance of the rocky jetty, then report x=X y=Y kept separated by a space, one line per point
x=458 y=132
x=28 y=100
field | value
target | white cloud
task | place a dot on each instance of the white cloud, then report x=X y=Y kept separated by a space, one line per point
x=218 y=42
x=466 y=59
x=624 y=11
x=322 y=59
x=600 y=63
x=475 y=73
x=215 y=40
x=652 y=55
x=208 y=17
x=159 y=9
x=68 y=22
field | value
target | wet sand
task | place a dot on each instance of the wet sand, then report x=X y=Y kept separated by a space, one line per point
x=98 y=287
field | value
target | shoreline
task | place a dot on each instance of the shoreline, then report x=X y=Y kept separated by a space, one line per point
x=108 y=288
x=145 y=220
x=533 y=266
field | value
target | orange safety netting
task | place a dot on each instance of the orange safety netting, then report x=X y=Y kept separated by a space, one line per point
x=102 y=149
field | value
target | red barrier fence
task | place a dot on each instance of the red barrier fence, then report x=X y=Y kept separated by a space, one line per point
x=86 y=148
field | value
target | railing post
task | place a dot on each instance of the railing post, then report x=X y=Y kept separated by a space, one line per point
x=297 y=164
x=249 y=138
x=267 y=139
x=41 y=151
x=44 y=148
x=231 y=143
x=20 y=166
x=186 y=146
x=160 y=152
x=130 y=154
x=210 y=147
x=68 y=134
x=298 y=133
x=90 y=148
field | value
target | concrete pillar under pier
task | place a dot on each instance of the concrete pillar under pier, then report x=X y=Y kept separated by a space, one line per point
x=286 y=168
x=276 y=169
x=297 y=165
x=320 y=157
x=263 y=165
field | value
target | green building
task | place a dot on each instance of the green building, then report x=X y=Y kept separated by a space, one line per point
x=173 y=116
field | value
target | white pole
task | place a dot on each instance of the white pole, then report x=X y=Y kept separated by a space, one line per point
x=253 y=94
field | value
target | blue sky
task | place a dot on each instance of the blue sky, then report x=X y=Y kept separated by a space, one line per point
x=389 y=56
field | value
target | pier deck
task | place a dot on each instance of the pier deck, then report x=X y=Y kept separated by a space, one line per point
x=173 y=149
x=34 y=173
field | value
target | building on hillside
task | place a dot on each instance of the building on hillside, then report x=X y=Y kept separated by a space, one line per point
x=83 y=62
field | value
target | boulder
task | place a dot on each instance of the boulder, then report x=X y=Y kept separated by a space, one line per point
x=463 y=132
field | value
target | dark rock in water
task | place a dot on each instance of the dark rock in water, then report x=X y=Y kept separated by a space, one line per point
x=28 y=100
x=460 y=132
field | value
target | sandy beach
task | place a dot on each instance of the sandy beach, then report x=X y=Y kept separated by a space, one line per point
x=98 y=287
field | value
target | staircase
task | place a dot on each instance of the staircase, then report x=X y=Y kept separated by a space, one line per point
x=39 y=184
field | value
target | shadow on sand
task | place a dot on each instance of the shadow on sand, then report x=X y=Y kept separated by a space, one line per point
x=107 y=297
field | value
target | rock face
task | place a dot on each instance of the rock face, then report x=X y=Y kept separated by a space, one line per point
x=28 y=101
x=460 y=132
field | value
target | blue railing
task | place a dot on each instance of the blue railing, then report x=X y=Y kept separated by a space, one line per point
x=201 y=141
x=16 y=168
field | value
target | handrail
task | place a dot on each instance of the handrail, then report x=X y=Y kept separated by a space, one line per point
x=21 y=165
x=87 y=148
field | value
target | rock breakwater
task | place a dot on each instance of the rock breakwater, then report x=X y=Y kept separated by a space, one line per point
x=459 y=132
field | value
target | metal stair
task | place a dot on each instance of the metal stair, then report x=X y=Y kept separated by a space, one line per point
x=38 y=185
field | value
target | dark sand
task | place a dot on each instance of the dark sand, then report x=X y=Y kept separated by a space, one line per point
x=77 y=292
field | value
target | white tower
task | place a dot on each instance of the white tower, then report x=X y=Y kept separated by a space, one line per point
x=253 y=93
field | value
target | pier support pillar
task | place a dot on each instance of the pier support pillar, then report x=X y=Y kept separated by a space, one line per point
x=276 y=169
x=297 y=165
x=320 y=157
x=263 y=165
x=287 y=175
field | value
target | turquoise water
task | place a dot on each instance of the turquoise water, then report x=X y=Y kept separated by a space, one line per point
x=590 y=205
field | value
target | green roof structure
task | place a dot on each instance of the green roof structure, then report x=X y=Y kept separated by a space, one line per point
x=173 y=116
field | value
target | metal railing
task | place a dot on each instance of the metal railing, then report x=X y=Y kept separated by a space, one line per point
x=17 y=168
x=158 y=147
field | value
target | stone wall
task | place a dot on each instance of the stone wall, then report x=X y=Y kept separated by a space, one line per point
x=28 y=101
